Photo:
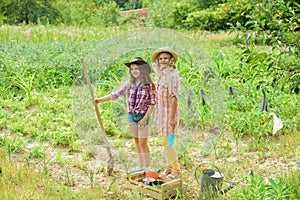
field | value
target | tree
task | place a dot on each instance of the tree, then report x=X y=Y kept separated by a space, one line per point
x=129 y=4
x=28 y=11
x=275 y=23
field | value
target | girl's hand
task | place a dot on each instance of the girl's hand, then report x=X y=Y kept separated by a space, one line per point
x=173 y=123
x=142 y=123
x=96 y=101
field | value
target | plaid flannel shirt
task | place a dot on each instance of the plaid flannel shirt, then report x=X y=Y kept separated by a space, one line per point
x=139 y=97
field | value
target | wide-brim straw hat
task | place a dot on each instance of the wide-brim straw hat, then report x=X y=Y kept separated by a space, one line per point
x=164 y=49
x=136 y=60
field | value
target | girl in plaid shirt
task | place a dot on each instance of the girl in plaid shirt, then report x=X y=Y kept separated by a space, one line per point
x=141 y=98
x=167 y=109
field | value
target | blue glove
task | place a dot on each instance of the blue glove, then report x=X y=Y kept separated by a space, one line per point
x=171 y=138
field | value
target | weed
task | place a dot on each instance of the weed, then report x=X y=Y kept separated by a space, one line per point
x=64 y=138
x=119 y=143
x=37 y=152
x=89 y=153
x=67 y=178
x=45 y=165
x=79 y=164
x=13 y=145
x=100 y=168
x=90 y=172
x=125 y=160
x=60 y=159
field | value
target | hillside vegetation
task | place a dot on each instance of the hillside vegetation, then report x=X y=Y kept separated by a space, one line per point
x=239 y=69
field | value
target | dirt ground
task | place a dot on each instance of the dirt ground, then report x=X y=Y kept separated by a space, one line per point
x=77 y=173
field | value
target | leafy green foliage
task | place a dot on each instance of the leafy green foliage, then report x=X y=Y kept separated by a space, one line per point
x=180 y=14
x=30 y=11
x=59 y=11
x=130 y=4
x=37 y=152
x=44 y=69
x=12 y=145
x=48 y=66
x=293 y=181
x=204 y=15
x=216 y=17
x=260 y=190
x=275 y=23
x=160 y=15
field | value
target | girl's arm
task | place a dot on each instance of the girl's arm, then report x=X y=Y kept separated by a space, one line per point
x=174 y=85
x=114 y=95
x=173 y=111
x=103 y=99
x=143 y=121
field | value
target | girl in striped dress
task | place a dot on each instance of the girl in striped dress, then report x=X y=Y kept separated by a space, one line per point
x=167 y=110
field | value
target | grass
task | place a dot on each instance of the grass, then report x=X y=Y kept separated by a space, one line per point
x=61 y=33
x=22 y=182
x=39 y=65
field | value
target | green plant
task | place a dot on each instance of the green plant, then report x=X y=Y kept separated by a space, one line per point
x=119 y=143
x=25 y=84
x=79 y=164
x=258 y=189
x=274 y=23
x=184 y=150
x=89 y=153
x=59 y=159
x=64 y=138
x=67 y=178
x=90 y=172
x=13 y=145
x=100 y=168
x=45 y=165
x=125 y=160
x=37 y=152
x=293 y=180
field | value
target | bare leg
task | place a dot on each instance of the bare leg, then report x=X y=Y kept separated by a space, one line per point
x=143 y=142
x=134 y=130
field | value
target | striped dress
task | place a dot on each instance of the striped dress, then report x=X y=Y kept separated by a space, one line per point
x=167 y=87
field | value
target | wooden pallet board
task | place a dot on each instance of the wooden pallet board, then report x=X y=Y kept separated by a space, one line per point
x=166 y=190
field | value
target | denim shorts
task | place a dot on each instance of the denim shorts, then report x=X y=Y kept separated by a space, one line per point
x=135 y=118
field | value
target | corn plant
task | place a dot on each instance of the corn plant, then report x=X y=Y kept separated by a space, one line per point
x=26 y=84
x=258 y=189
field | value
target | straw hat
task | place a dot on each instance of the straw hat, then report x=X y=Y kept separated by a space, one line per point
x=136 y=60
x=164 y=49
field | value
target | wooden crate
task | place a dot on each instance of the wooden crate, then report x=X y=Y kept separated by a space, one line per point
x=167 y=189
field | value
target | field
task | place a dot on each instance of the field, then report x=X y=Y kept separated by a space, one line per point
x=51 y=145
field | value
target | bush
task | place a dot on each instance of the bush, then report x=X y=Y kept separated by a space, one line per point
x=217 y=17
x=275 y=24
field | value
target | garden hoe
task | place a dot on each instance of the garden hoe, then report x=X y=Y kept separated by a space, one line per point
x=110 y=162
